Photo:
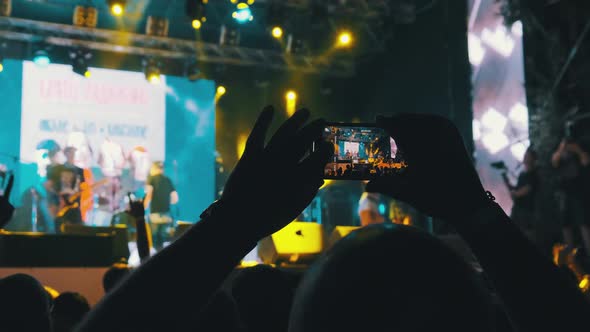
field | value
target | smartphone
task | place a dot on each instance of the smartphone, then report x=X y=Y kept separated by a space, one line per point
x=362 y=151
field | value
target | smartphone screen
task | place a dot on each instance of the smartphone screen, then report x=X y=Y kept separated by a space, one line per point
x=361 y=152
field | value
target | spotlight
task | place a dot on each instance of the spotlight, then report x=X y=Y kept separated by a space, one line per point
x=153 y=77
x=1 y=63
x=219 y=93
x=291 y=95
x=344 y=39
x=277 y=32
x=117 y=7
x=242 y=14
x=151 y=71
x=276 y=18
x=41 y=58
x=80 y=62
x=221 y=90
x=196 y=24
x=80 y=67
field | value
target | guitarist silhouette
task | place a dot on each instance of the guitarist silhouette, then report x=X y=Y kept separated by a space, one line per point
x=69 y=201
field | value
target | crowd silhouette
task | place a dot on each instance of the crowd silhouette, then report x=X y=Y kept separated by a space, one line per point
x=379 y=278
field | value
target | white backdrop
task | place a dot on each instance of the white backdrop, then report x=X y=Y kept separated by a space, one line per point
x=110 y=105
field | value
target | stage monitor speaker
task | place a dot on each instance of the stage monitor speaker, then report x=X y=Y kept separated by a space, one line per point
x=119 y=233
x=296 y=243
x=338 y=233
x=27 y=249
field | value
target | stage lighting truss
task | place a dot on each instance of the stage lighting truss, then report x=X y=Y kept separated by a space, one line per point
x=101 y=40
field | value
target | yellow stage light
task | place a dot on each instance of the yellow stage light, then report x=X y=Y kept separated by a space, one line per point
x=221 y=90
x=250 y=2
x=197 y=24
x=241 y=146
x=291 y=95
x=117 y=9
x=326 y=183
x=52 y=292
x=154 y=78
x=1 y=67
x=277 y=32
x=344 y=39
x=584 y=283
x=87 y=74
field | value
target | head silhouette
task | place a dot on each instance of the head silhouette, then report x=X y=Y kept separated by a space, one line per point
x=264 y=295
x=114 y=275
x=390 y=278
x=24 y=304
x=220 y=314
x=68 y=310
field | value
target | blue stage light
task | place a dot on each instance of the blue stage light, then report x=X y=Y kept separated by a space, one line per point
x=41 y=58
x=243 y=14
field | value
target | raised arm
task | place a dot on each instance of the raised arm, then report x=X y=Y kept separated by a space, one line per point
x=533 y=290
x=168 y=291
x=6 y=209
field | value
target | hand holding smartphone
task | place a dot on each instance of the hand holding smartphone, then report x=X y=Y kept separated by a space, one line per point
x=361 y=152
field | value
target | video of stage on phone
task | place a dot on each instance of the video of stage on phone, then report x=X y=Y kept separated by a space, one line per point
x=361 y=153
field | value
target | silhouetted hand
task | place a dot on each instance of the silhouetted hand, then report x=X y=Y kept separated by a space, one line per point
x=6 y=209
x=272 y=183
x=136 y=208
x=440 y=178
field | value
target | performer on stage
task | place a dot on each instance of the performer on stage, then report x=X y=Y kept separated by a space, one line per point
x=160 y=195
x=69 y=196
x=70 y=153
x=139 y=167
x=52 y=182
x=573 y=164
x=524 y=192
x=111 y=160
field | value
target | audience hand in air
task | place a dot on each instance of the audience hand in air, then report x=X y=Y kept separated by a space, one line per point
x=272 y=183
x=6 y=209
x=136 y=207
x=440 y=178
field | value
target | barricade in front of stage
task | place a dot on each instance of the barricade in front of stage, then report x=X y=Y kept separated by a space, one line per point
x=73 y=261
